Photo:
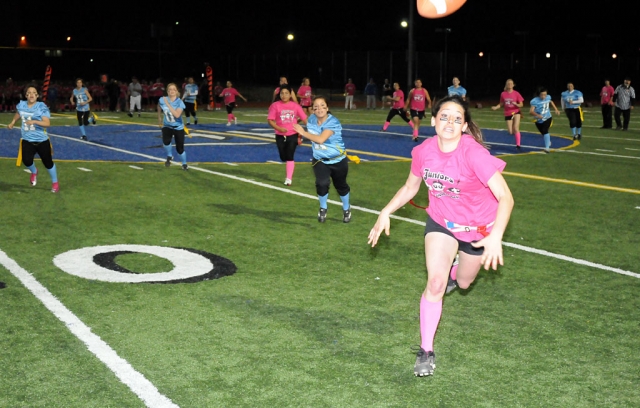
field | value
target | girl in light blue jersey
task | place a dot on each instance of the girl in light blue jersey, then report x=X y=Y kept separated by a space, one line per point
x=456 y=89
x=170 y=110
x=571 y=99
x=81 y=98
x=540 y=110
x=330 y=160
x=190 y=96
x=34 y=140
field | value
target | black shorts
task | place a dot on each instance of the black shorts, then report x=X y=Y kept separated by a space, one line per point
x=418 y=114
x=463 y=246
x=509 y=117
x=544 y=127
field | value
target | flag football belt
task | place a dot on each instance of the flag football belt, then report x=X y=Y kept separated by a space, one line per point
x=453 y=227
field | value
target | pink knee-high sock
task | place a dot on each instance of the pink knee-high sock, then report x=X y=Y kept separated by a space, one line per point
x=518 y=139
x=230 y=117
x=385 y=126
x=454 y=272
x=290 y=167
x=412 y=125
x=415 y=132
x=430 y=313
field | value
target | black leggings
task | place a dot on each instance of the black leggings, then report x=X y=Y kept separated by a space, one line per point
x=43 y=149
x=190 y=109
x=337 y=172
x=398 y=112
x=574 y=117
x=287 y=146
x=83 y=118
x=168 y=133
x=543 y=127
x=230 y=107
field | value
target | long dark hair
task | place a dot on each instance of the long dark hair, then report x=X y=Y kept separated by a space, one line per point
x=472 y=127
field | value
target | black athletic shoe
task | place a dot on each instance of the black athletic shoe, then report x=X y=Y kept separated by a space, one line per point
x=322 y=215
x=618 y=127
x=518 y=148
x=83 y=138
x=579 y=137
x=185 y=167
x=346 y=215
x=168 y=162
x=3 y=285
x=425 y=363
x=195 y=122
x=575 y=137
x=130 y=114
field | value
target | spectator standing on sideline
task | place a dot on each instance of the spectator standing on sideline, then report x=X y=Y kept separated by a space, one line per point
x=156 y=92
x=624 y=96
x=349 y=91
x=217 y=98
x=606 y=102
x=387 y=90
x=371 y=90
x=113 y=90
x=135 y=96
x=571 y=99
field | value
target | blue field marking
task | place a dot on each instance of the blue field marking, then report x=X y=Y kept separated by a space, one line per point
x=245 y=143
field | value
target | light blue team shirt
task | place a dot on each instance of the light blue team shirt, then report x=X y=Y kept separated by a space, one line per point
x=571 y=96
x=169 y=120
x=191 y=92
x=33 y=133
x=332 y=150
x=452 y=90
x=541 y=107
x=81 y=96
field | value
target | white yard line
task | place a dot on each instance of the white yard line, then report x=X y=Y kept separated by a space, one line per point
x=363 y=209
x=137 y=382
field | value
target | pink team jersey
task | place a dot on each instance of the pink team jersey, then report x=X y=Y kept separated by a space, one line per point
x=229 y=95
x=457 y=183
x=509 y=100
x=419 y=99
x=399 y=104
x=305 y=91
x=606 y=94
x=286 y=114
x=350 y=89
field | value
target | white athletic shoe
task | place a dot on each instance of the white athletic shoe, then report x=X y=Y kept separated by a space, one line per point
x=287 y=182
x=228 y=123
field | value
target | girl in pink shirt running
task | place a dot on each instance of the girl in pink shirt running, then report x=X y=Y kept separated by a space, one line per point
x=305 y=94
x=512 y=102
x=229 y=94
x=283 y=114
x=469 y=208
x=418 y=100
x=397 y=109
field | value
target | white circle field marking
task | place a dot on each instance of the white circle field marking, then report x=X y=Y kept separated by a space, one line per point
x=80 y=262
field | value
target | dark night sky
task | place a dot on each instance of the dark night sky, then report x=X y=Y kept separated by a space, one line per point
x=216 y=32
x=249 y=26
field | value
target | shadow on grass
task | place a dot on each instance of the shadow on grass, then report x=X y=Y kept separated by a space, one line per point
x=284 y=217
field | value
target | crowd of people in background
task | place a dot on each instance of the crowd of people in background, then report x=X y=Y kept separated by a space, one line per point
x=131 y=96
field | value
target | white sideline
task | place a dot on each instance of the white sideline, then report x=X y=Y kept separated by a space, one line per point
x=142 y=387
